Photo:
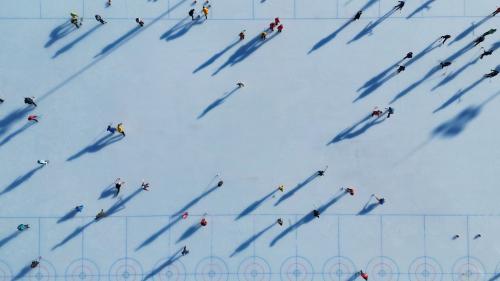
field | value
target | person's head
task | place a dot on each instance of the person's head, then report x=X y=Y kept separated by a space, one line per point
x=137 y=21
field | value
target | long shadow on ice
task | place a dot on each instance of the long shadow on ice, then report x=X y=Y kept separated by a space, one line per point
x=306 y=219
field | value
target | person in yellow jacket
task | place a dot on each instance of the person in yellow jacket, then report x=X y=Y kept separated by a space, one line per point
x=205 y=11
x=120 y=129
x=74 y=19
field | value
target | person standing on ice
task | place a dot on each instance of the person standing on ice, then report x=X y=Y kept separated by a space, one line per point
x=35 y=263
x=139 y=21
x=409 y=55
x=349 y=190
x=100 y=19
x=100 y=215
x=185 y=251
x=279 y=221
x=401 y=68
x=191 y=14
x=205 y=11
x=444 y=64
x=316 y=213
x=280 y=28
x=276 y=21
x=492 y=74
x=357 y=16
x=444 y=38
x=23 y=227
x=30 y=101
x=79 y=208
x=43 y=162
x=118 y=185
x=322 y=172
x=376 y=112
x=120 y=129
x=1 y=100
x=242 y=35
x=390 y=111
x=203 y=222
x=33 y=118
x=363 y=275
x=380 y=200
x=74 y=19
x=272 y=25
x=485 y=53
x=399 y=6
x=145 y=185
x=263 y=35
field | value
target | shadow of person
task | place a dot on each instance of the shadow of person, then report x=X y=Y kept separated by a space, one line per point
x=7 y=239
x=306 y=219
x=164 y=265
x=72 y=235
x=217 y=102
x=296 y=188
x=459 y=95
x=180 y=29
x=469 y=30
x=21 y=179
x=369 y=206
x=215 y=57
x=59 y=32
x=70 y=45
x=494 y=277
x=108 y=192
x=245 y=51
x=250 y=240
x=424 y=6
x=189 y=232
x=353 y=277
x=25 y=270
x=15 y=133
x=71 y=214
x=457 y=124
x=377 y=78
x=371 y=26
x=330 y=37
x=118 y=42
x=13 y=117
x=352 y=132
x=101 y=143
x=252 y=207
x=120 y=204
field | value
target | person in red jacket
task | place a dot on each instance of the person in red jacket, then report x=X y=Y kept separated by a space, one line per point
x=280 y=28
x=203 y=222
x=363 y=275
x=272 y=25
x=277 y=21
x=33 y=118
